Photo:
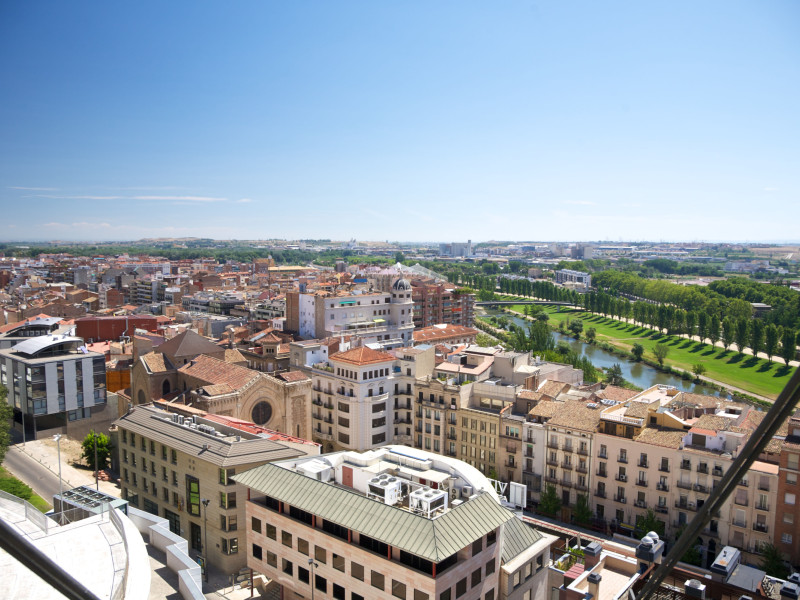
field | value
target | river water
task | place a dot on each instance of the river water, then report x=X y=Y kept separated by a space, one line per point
x=637 y=373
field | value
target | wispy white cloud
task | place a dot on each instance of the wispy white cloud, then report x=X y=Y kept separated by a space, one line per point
x=180 y=198
x=32 y=189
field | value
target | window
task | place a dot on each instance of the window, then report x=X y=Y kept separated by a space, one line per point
x=792 y=461
x=490 y=567
x=302 y=574
x=354 y=596
x=476 y=577
x=255 y=525
x=791 y=479
x=398 y=589
x=174 y=457
x=230 y=546
x=377 y=580
x=786 y=538
x=528 y=570
x=321 y=583
x=357 y=571
x=491 y=538
x=490 y=595
x=477 y=546
x=288 y=567
x=789 y=498
x=379 y=438
x=257 y=552
x=286 y=538
x=338 y=562
x=445 y=595
x=225 y=476
x=461 y=587
x=420 y=595
x=272 y=533
x=272 y=560
x=320 y=554
x=302 y=546
x=133 y=440
x=227 y=499
x=338 y=592
x=193 y=495
x=376 y=408
x=163 y=452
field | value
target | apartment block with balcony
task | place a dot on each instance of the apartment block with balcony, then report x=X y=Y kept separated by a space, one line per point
x=394 y=523
x=170 y=464
x=441 y=304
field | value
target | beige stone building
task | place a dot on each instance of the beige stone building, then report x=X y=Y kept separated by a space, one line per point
x=387 y=524
x=172 y=464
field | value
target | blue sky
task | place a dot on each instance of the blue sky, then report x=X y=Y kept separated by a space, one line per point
x=400 y=120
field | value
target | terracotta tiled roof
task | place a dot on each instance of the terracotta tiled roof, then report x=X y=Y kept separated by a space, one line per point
x=434 y=333
x=553 y=388
x=292 y=376
x=576 y=414
x=545 y=409
x=620 y=394
x=234 y=356
x=362 y=356
x=637 y=410
x=656 y=436
x=157 y=363
x=214 y=371
x=188 y=343
x=713 y=423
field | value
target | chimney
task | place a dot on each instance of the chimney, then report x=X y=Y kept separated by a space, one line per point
x=591 y=555
x=693 y=588
x=594 y=584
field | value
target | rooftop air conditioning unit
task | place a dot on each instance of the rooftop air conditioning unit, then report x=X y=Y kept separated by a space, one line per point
x=466 y=491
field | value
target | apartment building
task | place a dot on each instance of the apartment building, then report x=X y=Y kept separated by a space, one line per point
x=180 y=468
x=437 y=303
x=575 y=279
x=445 y=334
x=53 y=381
x=787 y=520
x=382 y=318
x=387 y=524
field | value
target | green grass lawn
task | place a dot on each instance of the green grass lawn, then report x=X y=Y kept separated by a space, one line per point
x=755 y=375
x=12 y=485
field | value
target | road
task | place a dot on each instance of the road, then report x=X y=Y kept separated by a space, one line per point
x=43 y=482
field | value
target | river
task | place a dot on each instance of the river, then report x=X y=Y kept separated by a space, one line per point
x=639 y=374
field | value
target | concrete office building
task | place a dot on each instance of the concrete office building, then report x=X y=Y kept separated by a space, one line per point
x=387 y=524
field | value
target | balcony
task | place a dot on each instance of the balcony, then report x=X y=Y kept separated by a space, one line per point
x=552 y=444
x=764 y=487
x=323 y=436
x=699 y=487
x=316 y=402
x=762 y=527
x=740 y=501
x=623 y=459
x=511 y=448
x=567 y=447
x=603 y=455
x=737 y=523
x=684 y=485
x=643 y=464
x=640 y=504
x=602 y=473
x=620 y=499
x=685 y=505
x=581 y=488
x=641 y=482
x=743 y=483
x=762 y=506
x=621 y=477
x=600 y=493
x=567 y=483
x=663 y=468
x=566 y=465
x=406 y=421
x=553 y=462
x=582 y=469
x=402 y=438
x=451 y=436
x=662 y=487
x=583 y=451
x=717 y=472
x=661 y=509
x=686 y=466
x=549 y=479
x=702 y=468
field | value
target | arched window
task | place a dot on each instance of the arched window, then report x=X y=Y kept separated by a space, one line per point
x=165 y=388
x=262 y=413
x=141 y=398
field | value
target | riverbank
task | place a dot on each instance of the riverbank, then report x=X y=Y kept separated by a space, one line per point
x=748 y=378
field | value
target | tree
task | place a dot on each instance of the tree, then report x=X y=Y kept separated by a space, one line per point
x=637 y=351
x=576 y=326
x=583 y=511
x=549 y=502
x=728 y=331
x=742 y=333
x=614 y=374
x=6 y=414
x=591 y=334
x=650 y=522
x=660 y=351
x=788 y=345
x=698 y=369
x=702 y=326
x=773 y=562
x=713 y=329
x=756 y=336
x=542 y=316
x=484 y=340
x=771 y=337
x=103 y=449
x=398 y=257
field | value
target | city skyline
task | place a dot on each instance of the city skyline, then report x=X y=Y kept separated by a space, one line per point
x=431 y=122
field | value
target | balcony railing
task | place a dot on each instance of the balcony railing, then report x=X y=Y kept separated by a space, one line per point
x=662 y=487
x=621 y=477
x=549 y=479
x=582 y=469
x=701 y=468
x=583 y=450
x=553 y=462
x=762 y=527
x=699 y=487
x=661 y=509
x=552 y=444
x=686 y=466
x=684 y=485
x=602 y=473
x=566 y=483
x=717 y=472
x=737 y=523
x=603 y=455
x=622 y=459
x=641 y=482
x=567 y=447
x=740 y=501
x=600 y=493
x=663 y=468
x=685 y=505
x=640 y=504
x=764 y=487
x=566 y=465
x=643 y=464
x=581 y=488
x=620 y=499
x=762 y=506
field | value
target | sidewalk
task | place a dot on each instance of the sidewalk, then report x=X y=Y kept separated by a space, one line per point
x=45 y=452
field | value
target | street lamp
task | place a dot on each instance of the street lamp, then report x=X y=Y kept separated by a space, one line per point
x=205 y=502
x=312 y=564
x=57 y=438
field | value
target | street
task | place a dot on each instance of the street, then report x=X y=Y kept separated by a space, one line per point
x=43 y=482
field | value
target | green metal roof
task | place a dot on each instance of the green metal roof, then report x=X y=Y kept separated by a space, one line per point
x=432 y=539
x=518 y=536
